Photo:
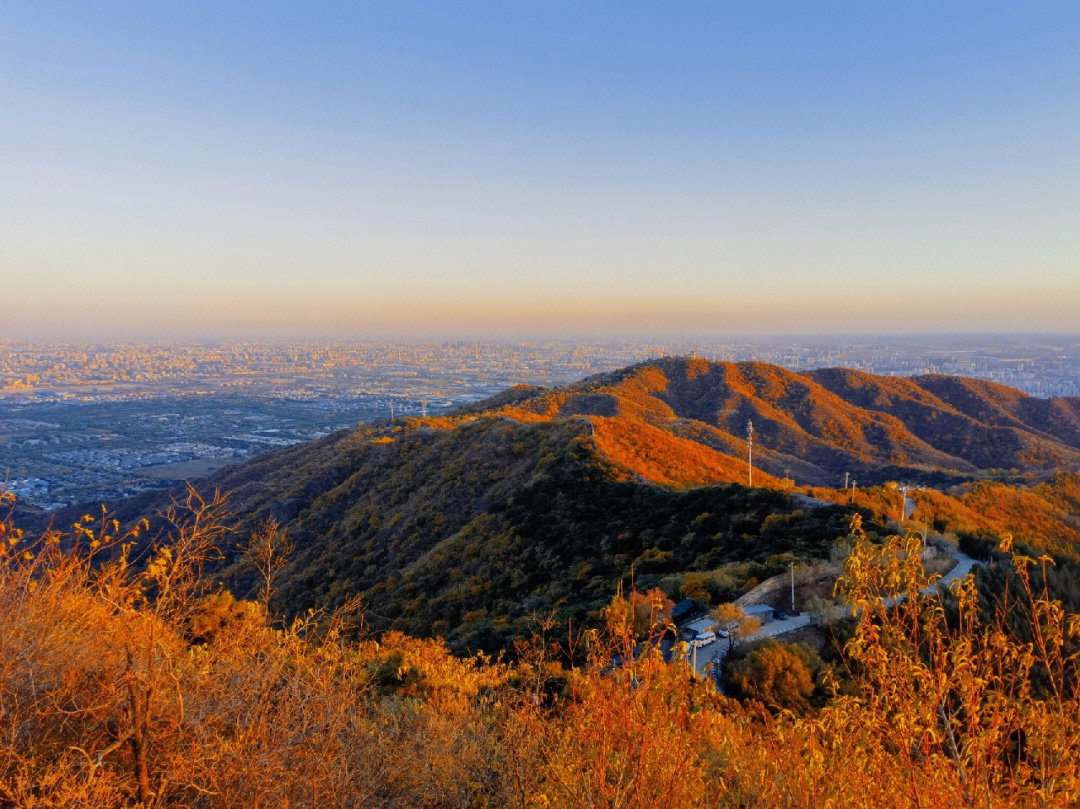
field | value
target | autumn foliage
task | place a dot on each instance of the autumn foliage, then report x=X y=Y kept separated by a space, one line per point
x=811 y=426
x=129 y=679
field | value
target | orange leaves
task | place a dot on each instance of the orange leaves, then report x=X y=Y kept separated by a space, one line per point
x=957 y=689
x=777 y=675
x=636 y=738
x=661 y=457
x=102 y=666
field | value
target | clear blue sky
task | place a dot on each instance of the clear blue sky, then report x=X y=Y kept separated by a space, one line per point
x=314 y=169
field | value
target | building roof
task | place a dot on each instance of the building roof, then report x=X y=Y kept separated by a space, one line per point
x=684 y=608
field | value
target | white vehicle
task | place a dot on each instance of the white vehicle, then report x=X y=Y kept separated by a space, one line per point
x=703 y=639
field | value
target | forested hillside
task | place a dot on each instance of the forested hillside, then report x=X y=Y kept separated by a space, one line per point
x=467 y=530
x=467 y=525
x=146 y=685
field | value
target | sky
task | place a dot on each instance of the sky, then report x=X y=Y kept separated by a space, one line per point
x=358 y=170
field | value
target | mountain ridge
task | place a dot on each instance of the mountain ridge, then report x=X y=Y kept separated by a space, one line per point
x=466 y=525
x=821 y=423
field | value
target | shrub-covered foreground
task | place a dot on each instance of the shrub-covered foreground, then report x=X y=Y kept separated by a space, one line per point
x=134 y=682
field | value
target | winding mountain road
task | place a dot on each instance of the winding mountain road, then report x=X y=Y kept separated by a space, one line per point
x=715 y=652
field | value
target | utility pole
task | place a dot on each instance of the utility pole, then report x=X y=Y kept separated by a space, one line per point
x=853 y=491
x=793 y=588
x=750 y=452
x=846 y=476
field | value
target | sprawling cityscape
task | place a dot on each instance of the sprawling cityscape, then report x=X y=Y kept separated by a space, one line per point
x=82 y=423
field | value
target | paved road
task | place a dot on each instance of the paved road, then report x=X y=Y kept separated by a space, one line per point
x=964 y=564
x=774 y=628
x=715 y=652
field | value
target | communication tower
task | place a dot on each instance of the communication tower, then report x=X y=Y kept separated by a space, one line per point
x=750 y=452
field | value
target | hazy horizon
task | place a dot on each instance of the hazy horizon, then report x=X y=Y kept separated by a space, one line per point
x=417 y=171
x=1013 y=344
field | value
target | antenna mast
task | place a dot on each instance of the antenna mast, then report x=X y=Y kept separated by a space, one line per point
x=750 y=453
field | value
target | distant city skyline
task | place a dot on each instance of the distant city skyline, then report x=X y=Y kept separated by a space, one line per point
x=90 y=423
x=194 y=171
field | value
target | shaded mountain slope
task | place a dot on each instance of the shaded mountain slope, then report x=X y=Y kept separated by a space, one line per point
x=985 y=424
x=1054 y=419
x=467 y=527
x=473 y=552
